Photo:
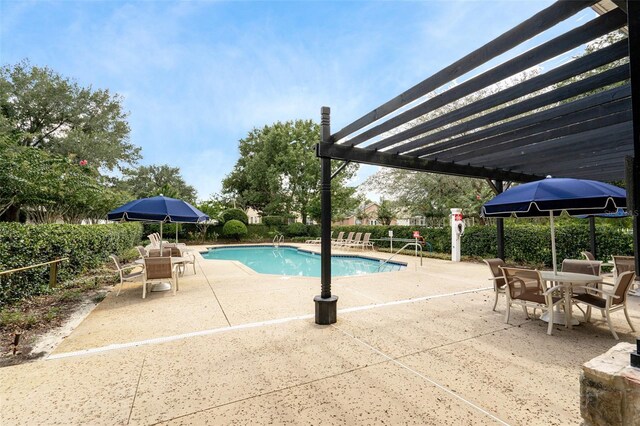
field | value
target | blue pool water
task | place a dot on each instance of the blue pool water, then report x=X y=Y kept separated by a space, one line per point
x=291 y=261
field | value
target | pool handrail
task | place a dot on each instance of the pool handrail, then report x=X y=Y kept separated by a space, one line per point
x=417 y=245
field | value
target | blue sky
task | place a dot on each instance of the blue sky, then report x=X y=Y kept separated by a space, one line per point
x=197 y=76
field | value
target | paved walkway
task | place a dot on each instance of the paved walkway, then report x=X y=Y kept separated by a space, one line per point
x=419 y=346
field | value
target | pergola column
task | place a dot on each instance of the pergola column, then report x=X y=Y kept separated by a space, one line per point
x=500 y=222
x=326 y=304
x=633 y=175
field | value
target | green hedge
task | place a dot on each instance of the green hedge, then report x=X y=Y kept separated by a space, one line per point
x=86 y=246
x=524 y=243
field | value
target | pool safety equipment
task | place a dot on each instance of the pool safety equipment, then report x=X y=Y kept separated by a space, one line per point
x=457 y=230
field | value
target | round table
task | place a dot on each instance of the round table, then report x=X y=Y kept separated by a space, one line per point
x=567 y=280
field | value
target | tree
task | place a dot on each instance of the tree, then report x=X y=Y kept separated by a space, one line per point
x=48 y=187
x=278 y=172
x=386 y=212
x=149 y=181
x=41 y=109
x=431 y=195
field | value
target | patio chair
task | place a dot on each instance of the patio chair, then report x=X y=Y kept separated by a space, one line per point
x=526 y=288
x=188 y=258
x=142 y=251
x=166 y=252
x=588 y=255
x=580 y=266
x=345 y=241
x=122 y=272
x=609 y=300
x=159 y=269
x=499 y=284
x=623 y=264
x=339 y=239
x=316 y=240
x=355 y=242
x=365 y=241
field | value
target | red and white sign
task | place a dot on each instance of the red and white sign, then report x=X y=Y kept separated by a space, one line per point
x=416 y=234
x=457 y=216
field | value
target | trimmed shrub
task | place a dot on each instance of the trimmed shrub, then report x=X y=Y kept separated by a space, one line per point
x=235 y=214
x=86 y=246
x=296 y=230
x=525 y=243
x=234 y=229
x=274 y=220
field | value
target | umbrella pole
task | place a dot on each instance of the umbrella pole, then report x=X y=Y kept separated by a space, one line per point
x=553 y=243
x=177 y=233
x=160 y=238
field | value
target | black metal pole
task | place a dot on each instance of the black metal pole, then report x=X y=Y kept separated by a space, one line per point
x=500 y=223
x=326 y=304
x=592 y=235
x=633 y=22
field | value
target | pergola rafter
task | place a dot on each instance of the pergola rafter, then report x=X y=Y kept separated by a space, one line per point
x=573 y=120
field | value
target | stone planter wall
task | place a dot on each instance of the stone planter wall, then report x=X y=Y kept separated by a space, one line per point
x=610 y=389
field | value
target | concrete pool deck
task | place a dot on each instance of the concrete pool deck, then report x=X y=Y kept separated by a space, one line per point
x=418 y=346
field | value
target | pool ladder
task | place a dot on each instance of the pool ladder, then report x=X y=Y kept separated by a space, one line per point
x=417 y=245
x=279 y=238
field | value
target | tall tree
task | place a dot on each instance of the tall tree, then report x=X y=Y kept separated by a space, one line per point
x=386 y=212
x=40 y=108
x=278 y=172
x=149 y=181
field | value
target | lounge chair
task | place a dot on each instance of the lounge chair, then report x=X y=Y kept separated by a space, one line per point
x=608 y=301
x=317 y=240
x=365 y=241
x=159 y=269
x=339 y=239
x=122 y=272
x=355 y=242
x=340 y=243
x=499 y=284
x=526 y=288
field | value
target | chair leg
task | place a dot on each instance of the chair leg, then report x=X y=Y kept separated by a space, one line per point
x=626 y=314
x=587 y=316
x=495 y=303
x=144 y=288
x=122 y=283
x=526 y=313
x=607 y=315
x=507 y=312
x=550 y=325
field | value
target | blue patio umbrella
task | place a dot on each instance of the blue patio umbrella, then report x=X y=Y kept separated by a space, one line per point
x=159 y=209
x=552 y=196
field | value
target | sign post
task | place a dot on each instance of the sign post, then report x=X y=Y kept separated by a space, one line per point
x=457 y=229
x=391 y=240
x=416 y=235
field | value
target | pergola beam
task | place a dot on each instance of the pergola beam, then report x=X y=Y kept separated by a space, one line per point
x=528 y=29
x=569 y=70
x=365 y=156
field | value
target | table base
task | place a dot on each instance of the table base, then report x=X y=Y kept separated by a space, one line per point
x=559 y=318
x=161 y=287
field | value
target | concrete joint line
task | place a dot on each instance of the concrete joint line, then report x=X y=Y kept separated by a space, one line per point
x=166 y=339
x=422 y=376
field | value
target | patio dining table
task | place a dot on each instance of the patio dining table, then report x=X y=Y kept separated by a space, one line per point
x=567 y=280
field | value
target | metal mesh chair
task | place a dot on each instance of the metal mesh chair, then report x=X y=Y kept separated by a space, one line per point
x=609 y=300
x=526 y=288
x=159 y=269
x=166 y=252
x=125 y=276
x=499 y=284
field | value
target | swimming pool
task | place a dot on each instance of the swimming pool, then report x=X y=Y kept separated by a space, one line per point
x=287 y=260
